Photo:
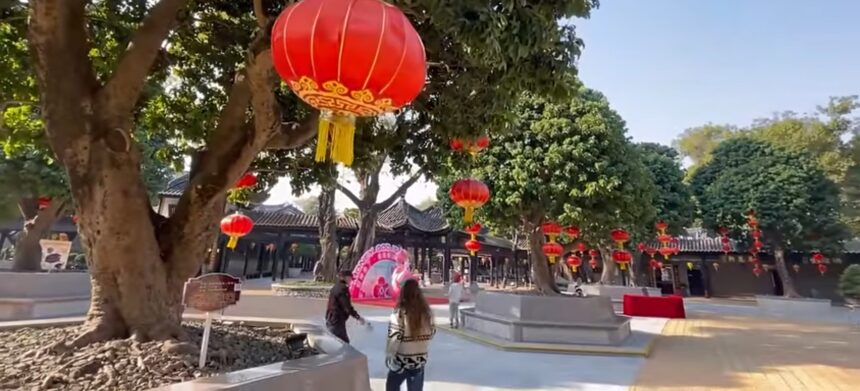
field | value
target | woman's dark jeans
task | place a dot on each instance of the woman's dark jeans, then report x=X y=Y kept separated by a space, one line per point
x=414 y=379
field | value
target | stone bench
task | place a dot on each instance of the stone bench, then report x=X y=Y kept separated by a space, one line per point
x=546 y=319
x=617 y=292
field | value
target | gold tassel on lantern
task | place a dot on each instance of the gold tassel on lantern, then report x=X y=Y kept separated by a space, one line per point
x=231 y=244
x=335 y=137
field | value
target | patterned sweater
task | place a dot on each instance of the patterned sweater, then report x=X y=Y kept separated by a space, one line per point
x=403 y=350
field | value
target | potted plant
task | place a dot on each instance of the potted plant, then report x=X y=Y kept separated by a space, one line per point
x=849 y=284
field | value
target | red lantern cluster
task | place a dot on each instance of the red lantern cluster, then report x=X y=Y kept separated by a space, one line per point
x=621 y=256
x=818 y=261
x=348 y=59
x=473 y=147
x=668 y=245
x=551 y=249
x=469 y=194
x=473 y=245
x=755 y=249
x=236 y=226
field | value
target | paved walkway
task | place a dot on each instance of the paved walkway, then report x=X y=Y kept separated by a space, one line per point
x=739 y=353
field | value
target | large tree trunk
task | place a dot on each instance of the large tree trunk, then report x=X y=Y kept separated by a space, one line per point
x=543 y=279
x=788 y=289
x=139 y=261
x=610 y=274
x=37 y=224
x=327 y=271
x=364 y=238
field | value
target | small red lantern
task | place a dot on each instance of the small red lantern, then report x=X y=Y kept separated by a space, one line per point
x=348 y=59
x=44 y=202
x=664 y=238
x=661 y=226
x=247 y=180
x=469 y=194
x=654 y=264
x=796 y=268
x=473 y=245
x=456 y=144
x=757 y=245
x=593 y=263
x=757 y=269
x=236 y=226
x=581 y=248
x=817 y=258
x=822 y=268
x=641 y=247
x=482 y=142
x=620 y=236
x=593 y=253
x=756 y=234
x=572 y=231
x=666 y=252
x=474 y=229
x=724 y=231
x=651 y=251
x=574 y=262
x=551 y=229
x=552 y=250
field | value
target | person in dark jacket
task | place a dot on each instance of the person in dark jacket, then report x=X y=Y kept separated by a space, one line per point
x=339 y=308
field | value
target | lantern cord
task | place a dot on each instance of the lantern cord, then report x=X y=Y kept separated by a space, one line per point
x=335 y=137
x=234 y=240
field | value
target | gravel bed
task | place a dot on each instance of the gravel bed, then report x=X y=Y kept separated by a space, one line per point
x=26 y=364
x=301 y=291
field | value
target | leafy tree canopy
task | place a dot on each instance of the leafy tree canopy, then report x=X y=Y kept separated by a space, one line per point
x=796 y=204
x=673 y=199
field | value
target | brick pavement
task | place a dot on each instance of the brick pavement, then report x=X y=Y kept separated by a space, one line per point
x=739 y=353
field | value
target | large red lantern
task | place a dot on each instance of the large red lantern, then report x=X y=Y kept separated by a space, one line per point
x=822 y=268
x=236 y=226
x=551 y=229
x=552 y=250
x=620 y=236
x=574 y=262
x=469 y=194
x=622 y=258
x=348 y=59
x=572 y=231
x=654 y=264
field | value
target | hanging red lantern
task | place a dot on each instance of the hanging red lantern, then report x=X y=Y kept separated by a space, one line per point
x=796 y=268
x=724 y=231
x=473 y=245
x=756 y=234
x=641 y=247
x=552 y=250
x=664 y=239
x=619 y=236
x=348 y=59
x=666 y=252
x=594 y=264
x=822 y=268
x=593 y=253
x=469 y=194
x=574 y=262
x=817 y=258
x=456 y=144
x=483 y=142
x=572 y=231
x=473 y=229
x=43 y=202
x=651 y=251
x=246 y=181
x=757 y=245
x=236 y=226
x=622 y=258
x=661 y=226
x=551 y=229
x=654 y=264
x=581 y=248
x=477 y=145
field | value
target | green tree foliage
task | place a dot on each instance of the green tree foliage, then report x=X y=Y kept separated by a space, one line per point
x=796 y=204
x=849 y=282
x=673 y=199
x=697 y=143
x=569 y=162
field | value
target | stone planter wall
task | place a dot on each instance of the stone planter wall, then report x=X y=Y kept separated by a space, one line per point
x=43 y=295
x=617 y=292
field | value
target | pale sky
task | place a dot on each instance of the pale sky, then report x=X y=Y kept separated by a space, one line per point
x=668 y=65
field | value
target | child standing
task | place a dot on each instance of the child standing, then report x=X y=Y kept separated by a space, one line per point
x=455 y=294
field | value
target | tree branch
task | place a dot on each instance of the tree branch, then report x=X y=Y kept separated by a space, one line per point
x=260 y=14
x=291 y=135
x=352 y=197
x=400 y=190
x=122 y=90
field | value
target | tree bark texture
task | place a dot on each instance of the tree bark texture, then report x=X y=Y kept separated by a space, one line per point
x=365 y=238
x=37 y=224
x=328 y=236
x=788 y=289
x=610 y=274
x=543 y=279
x=139 y=260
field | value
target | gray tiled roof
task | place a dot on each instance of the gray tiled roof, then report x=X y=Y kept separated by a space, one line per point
x=402 y=214
x=278 y=219
x=286 y=208
x=175 y=187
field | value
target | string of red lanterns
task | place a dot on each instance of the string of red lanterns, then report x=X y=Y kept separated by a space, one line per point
x=551 y=249
x=755 y=249
x=473 y=245
x=818 y=260
x=621 y=256
x=473 y=147
x=668 y=245
x=356 y=69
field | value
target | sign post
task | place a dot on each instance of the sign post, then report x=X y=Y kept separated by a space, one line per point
x=208 y=293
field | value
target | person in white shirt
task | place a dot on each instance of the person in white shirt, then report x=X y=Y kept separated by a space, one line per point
x=410 y=330
x=455 y=294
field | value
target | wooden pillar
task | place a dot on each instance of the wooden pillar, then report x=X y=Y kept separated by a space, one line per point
x=245 y=266
x=446 y=261
x=706 y=277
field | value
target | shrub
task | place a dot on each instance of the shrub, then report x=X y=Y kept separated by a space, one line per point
x=849 y=282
